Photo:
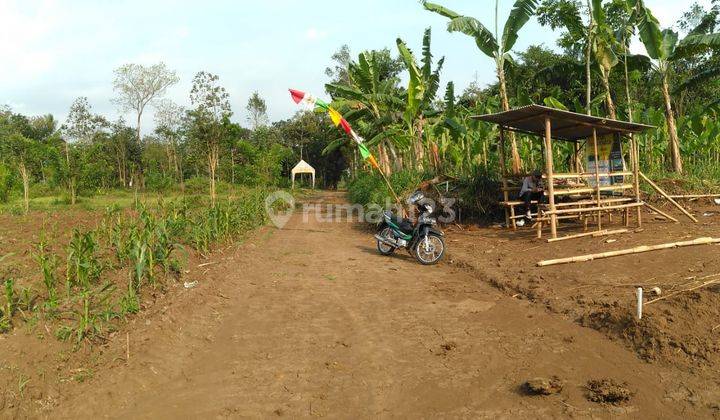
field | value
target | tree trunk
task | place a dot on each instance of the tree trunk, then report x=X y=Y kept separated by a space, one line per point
x=588 y=51
x=608 y=97
x=419 y=146
x=71 y=179
x=212 y=163
x=26 y=185
x=232 y=166
x=672 y=129
x=627 y=87
x=516 y=161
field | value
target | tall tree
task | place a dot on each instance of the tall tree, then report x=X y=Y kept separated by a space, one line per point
x=168 y=121
x=80 y=126
x=494 y=46
x=211 y=109
x=137 y=86
x=338 y=72
x=665 y=49
x=257 y=111
x=21 y=152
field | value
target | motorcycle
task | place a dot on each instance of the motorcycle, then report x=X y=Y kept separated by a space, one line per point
x=422 y=239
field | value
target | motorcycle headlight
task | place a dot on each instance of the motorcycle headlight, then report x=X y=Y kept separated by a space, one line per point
x=427 y=220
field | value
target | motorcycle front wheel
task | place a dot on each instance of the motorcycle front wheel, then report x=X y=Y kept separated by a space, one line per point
x=382 y=247
x=430 y=249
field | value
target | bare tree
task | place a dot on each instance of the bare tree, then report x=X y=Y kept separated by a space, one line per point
x=137 y=86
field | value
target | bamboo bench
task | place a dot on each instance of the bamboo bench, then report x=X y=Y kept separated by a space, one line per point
x=512 y=217
x=580 y=209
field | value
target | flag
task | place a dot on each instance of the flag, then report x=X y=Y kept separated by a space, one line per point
x=296 y=95
x=364 y=152
x=334 y=116
x=346 y=126
x=337 y=120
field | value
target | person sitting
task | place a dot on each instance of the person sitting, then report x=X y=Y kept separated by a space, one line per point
x=530 y=191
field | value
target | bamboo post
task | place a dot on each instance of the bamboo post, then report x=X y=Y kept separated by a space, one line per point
x=635 y=159
x=597 y=177
x=695 y=196
x=578 y=235
x=576 y=149
x=503 y=174
x=636 y=250
x=670 y=199
x=549 y=170
x=661 y=213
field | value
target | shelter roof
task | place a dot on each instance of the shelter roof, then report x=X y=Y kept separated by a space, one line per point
x=565 y=125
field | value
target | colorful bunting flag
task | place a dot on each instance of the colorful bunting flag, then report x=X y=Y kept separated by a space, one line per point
x=337 y=120
x=335 y=116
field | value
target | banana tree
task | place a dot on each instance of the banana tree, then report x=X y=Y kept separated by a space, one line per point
x=423 y=84
x=603 y=44
x=664 y=48
x=493 y=46
x=372 y=105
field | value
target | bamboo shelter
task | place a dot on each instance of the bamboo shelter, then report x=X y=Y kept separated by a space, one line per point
x=605 y=187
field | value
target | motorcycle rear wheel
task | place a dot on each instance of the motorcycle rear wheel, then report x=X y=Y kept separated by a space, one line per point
x=382 y=247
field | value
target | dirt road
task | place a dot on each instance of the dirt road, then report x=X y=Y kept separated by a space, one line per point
x=310 y=321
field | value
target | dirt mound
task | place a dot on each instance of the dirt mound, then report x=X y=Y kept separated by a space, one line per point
x=543 y=386
x=608 y=391
x=682 y=330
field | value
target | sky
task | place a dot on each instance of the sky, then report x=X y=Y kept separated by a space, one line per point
x=53 y=51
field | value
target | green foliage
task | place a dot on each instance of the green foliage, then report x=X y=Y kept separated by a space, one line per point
x=369 y=188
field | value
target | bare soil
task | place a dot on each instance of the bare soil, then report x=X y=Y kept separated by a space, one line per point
x=311 y=321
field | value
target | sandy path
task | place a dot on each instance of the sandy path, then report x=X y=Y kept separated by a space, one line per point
x=311 y=321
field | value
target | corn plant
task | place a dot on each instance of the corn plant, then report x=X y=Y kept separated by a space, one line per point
x=10 y=298
x=87 y=322
x=48 y=263
x=139 y=259
x=83 y=266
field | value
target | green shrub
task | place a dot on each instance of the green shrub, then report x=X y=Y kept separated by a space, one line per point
x=201 y=185
x=7 y=181
x=369 y=188
x=156 y=181
x=41 y=189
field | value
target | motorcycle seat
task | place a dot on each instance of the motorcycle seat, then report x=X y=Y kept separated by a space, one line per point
x=405 y=225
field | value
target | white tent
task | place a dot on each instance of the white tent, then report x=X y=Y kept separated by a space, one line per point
x=303 y=168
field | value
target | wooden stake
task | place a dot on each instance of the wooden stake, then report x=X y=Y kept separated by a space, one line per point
x=636 y=177
x=549 y=174
x=661 y=213
x=503 y=173
x=636 y=250
x=670 y=199
x=597 y=177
